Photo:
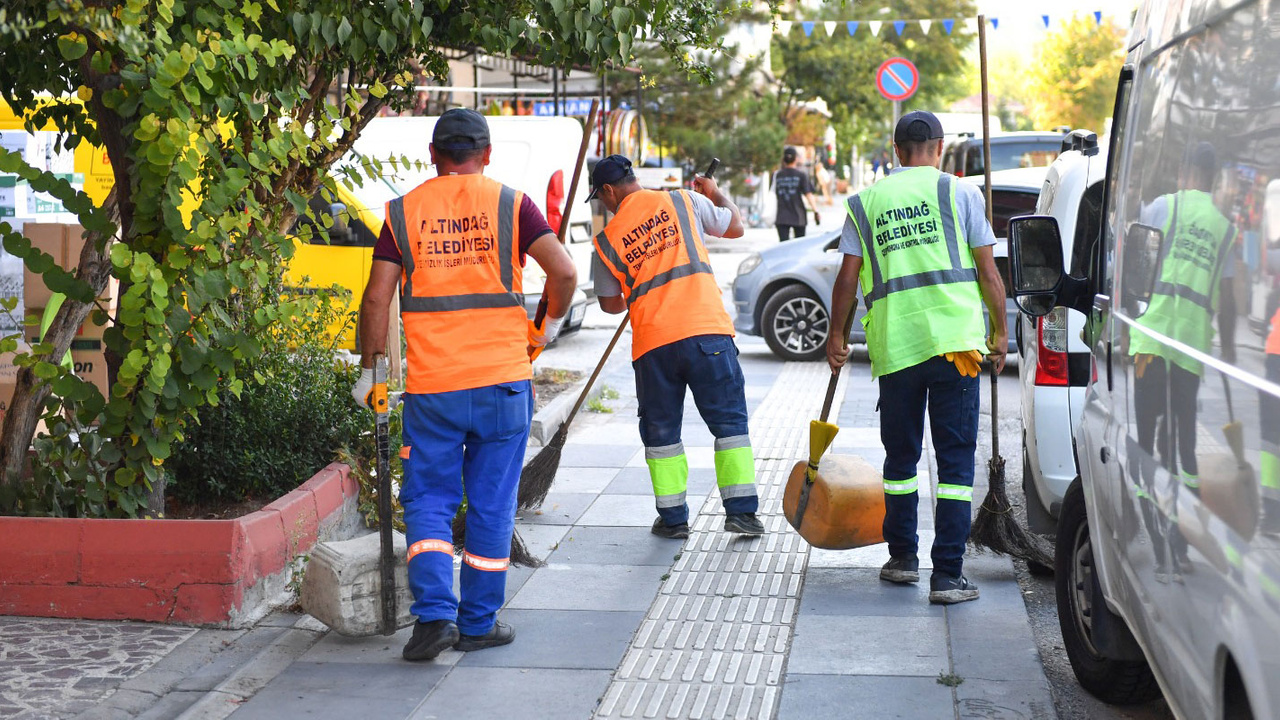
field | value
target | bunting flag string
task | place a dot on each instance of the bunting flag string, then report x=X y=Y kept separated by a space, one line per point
x=784 y=27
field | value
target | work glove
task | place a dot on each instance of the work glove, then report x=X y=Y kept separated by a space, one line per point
x=968 y=363
x=363 y=391
x=817 y=219
x=1140 y=363
x=539 y=336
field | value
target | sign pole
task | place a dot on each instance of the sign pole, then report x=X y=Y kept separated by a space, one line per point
x=897 y=113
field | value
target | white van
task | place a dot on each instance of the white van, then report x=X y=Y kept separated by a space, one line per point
x=1168 y=550
x=1054 y=364
x=535 y=155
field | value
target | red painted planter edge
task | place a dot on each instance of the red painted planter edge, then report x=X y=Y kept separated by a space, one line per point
x=183 y=571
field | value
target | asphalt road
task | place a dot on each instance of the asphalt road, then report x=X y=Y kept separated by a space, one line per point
x=582 y=351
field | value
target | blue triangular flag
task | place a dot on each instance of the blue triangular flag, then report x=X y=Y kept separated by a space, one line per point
x=947 y=24
x=853 y=26
x=1046 y=21
x=995 y=23
x=899 y=25
x=1097 y=16
x=808 y=27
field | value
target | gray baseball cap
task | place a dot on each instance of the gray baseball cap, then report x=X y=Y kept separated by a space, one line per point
x=460 y=129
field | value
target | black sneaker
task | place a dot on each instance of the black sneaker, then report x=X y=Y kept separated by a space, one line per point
x=901 y=569
x=430 y=639
x=500 y=634
x=945 y=589
x=671 y=532
x=743 y=524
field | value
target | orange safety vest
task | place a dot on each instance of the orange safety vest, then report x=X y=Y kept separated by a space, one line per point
x=1273 y=339
x=654 y=247
x=461 y=295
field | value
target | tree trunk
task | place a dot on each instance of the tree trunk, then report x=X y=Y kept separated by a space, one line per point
x=24 y=410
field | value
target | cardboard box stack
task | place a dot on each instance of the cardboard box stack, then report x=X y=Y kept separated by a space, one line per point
x=63 y=242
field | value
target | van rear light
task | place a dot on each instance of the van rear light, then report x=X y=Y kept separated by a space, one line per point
x=555 y=200
x=1051 y=360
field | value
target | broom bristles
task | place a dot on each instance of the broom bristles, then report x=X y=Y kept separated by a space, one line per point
x=520 y=555
x=997 y=529
x=540 y=473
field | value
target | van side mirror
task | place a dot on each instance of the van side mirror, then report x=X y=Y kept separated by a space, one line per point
x=1035 y=263
x=340 y=233
x=1141 y=258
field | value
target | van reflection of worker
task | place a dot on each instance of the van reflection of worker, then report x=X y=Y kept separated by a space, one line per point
x=1268 y=404
x=1184 y=300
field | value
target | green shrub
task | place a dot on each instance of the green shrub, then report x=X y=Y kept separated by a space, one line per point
x=283 y=429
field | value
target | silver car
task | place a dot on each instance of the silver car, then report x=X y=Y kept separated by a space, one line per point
x=783 y=294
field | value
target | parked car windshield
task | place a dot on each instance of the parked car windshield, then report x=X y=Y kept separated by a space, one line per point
x=1017 y=154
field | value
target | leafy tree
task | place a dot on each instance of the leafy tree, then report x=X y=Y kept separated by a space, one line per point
x=733 y=118
x=219 y=118
x=841 y=69
x=1073 y=78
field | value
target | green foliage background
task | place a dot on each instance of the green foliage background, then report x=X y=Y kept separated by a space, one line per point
x=841 y=69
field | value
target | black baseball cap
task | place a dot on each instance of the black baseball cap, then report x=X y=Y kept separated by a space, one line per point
x=917 y=126
x=609 y=171
x=460 y=129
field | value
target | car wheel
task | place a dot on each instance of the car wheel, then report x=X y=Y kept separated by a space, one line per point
x=1111 y=680
x=795 y=324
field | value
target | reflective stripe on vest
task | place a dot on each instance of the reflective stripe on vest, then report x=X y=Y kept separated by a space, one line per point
x=688 y=230
x=410 y=303
x=957 y=273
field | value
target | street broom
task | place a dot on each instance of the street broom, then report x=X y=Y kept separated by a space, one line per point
x=540 y=472
x=996 y=528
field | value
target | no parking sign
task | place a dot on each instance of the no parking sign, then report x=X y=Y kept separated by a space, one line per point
x=897 y=79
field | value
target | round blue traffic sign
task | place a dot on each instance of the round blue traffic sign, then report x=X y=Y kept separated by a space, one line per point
x=897 y=79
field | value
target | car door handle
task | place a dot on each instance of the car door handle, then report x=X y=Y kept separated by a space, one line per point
x=1102 y=303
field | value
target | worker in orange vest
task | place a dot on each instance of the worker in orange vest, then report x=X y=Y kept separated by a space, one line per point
x=650 y=259
x=455 y=245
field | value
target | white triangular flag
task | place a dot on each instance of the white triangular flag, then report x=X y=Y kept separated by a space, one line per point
x=784 y=27
x=875 y=27
x=830 y=25
x=925 y=25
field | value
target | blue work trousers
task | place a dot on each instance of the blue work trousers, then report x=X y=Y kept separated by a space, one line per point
x=952 y=402
x=708 y=366
x=473 y=439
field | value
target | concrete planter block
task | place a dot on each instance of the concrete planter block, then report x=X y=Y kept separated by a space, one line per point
x=343 y=586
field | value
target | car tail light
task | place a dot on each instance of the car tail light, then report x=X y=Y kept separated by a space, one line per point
x=555 y=199
x=1051 y=361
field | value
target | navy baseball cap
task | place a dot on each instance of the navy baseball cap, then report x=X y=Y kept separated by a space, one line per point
x=917 y=126
x=608 y=171
x=460 y=129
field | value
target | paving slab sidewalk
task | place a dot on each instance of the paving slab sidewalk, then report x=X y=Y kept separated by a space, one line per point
x=619 y=623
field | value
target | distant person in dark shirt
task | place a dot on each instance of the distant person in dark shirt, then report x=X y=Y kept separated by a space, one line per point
x=793 y=190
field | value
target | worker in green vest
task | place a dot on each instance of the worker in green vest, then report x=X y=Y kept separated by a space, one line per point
x=1184 y=301
x=919 y=244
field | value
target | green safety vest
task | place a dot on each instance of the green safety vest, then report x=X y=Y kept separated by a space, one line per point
x=1185 y=296
x=918 y=274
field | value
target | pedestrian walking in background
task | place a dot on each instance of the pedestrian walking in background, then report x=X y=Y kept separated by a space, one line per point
x=794 y=191
x=650 y=259
x=456 y=245
x=919 y=244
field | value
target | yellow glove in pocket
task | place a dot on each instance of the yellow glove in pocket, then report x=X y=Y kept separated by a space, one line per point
x=1140 y=363
x=968 y=363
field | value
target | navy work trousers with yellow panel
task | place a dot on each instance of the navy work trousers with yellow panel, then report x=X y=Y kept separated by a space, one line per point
x=951 y=400
x=708 y=366
x=473 y=439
